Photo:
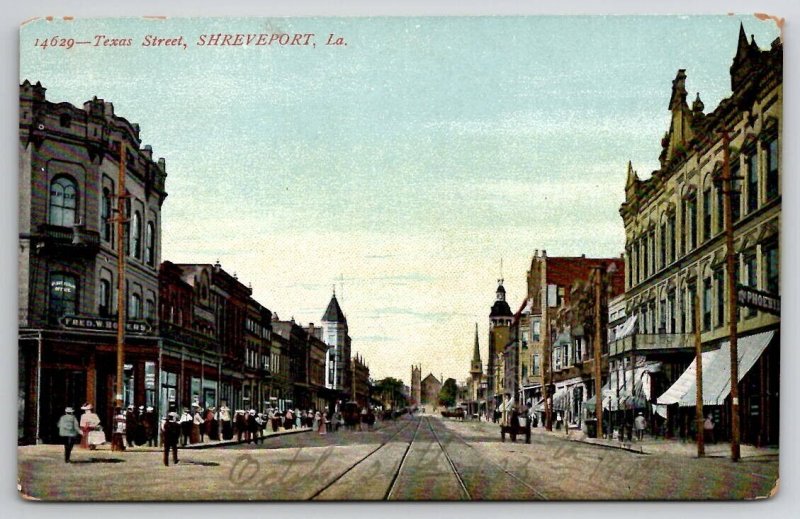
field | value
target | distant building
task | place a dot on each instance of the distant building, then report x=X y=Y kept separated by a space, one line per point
x=431 y=386
x=416 y=385
x=335 y=333
x=500 y=318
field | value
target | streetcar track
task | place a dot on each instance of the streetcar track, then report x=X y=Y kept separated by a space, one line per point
x=450 y=462
x=357 y=463
x=505 y=470
x=393 y=483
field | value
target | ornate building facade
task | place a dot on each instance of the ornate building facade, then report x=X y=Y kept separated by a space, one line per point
x=674 y=226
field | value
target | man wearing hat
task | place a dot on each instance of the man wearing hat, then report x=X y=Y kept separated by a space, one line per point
x=150 y=426
x=130 y=426
x=640 y=424
x=185 y=422
x=68 y=429
x=171 y=431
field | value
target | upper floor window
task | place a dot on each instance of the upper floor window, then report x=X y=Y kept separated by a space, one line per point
x=63 y=294
x=104 y=302
x=64 y=120
x=720 y=208
x=771 y=272
x=772 y=169
x=691 y=217
x=707 y=304
x=135 y=309
x=150 y=245
x=663 y=245
x=105 y=215
x=736 y=192
x=150 y=309
x=63 y=201
x=707 y=212
x=719 y=280
x=136 y=235
x=671 y=224
x=751 y=275
x=752 y=181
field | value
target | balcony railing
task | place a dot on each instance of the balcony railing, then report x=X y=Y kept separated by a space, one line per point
x=652 y=342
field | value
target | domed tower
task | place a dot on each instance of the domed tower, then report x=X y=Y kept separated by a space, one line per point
x=499 y=326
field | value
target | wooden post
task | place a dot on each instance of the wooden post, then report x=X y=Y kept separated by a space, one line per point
x=730 y=256
x=547 y=369
x=121 y=216
x=698 y=351
x=598 y=349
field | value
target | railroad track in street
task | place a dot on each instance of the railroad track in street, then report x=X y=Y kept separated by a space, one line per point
x=361 y=460
x=464 y=490
x=510 y=474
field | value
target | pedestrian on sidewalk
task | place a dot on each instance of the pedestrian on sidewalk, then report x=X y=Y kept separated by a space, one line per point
x=240 y=424
x=171 y=431
x=69 y=429
x=225 y=422
x=197 y=426
x=90 y=423
x=252 y=427
x=297 y=418
x=708 y=430
x=130 y=426
x=185 y=424
x=640 y=424
x=559 y=421
x=150 y=426
x=323 y=430
x=210 y=424
x=141 y=435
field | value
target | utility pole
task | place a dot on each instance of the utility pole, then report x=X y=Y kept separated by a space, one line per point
x=698 y=349
x=598 y=349
x=121 y=217
x=547 y=370
x=730 y=256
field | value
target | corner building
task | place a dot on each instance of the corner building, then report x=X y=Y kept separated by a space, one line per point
x=675 y=240
x=69 y=160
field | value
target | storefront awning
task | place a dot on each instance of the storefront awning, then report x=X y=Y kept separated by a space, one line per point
x=716 y=372
x=631 y=391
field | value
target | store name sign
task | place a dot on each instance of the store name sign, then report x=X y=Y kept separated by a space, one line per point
x=759 y=300
x=99 y=323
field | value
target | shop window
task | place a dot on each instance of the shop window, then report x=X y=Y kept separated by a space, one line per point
x=63 y=202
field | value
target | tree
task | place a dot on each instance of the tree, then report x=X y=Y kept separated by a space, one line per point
x=447 y=395
x=391 y=391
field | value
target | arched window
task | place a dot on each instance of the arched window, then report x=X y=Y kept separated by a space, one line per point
x=105 y=215
x=104 y=302
x=150 y=244
x=63 y=201
x=63 y=295
x=135 y=309
x=136 y=235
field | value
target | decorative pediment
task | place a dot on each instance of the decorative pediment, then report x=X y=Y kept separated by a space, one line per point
x=767 y=230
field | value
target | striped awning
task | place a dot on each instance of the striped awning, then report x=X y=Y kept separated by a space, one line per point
x=716 y=372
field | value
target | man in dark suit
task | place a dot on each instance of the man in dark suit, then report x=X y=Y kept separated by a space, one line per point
x=172 y=432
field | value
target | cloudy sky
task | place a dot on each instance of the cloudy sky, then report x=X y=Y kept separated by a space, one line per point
x=403 y=166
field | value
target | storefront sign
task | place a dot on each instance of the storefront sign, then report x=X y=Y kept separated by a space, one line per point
x=759 y=300
x=99 y=323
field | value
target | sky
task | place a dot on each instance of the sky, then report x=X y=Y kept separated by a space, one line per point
x=402 y=168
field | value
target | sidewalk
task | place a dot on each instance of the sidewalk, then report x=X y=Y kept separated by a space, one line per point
x=192 y=446
x=650 y=445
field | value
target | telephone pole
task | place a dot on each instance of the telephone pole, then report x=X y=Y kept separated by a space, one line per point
x=730 y=256
x=121 y=216
x=698 y=349
x=547 y=369
x=598 y=348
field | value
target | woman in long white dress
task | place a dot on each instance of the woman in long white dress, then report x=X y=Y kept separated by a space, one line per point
x=315 y=424
x=90 y=423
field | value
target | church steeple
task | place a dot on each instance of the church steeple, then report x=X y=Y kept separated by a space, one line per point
x=477 y=366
